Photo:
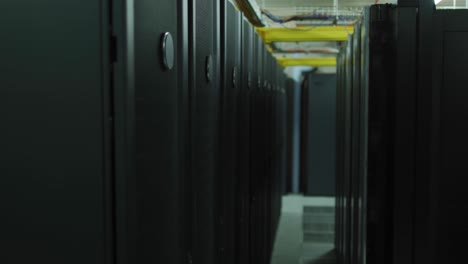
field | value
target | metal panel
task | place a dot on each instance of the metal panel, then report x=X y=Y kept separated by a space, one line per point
x=381 y=106
x=231 y=63
x=158 y=178
x=256 y=128
x=365 y=139
x=449 y=143
x=405 y=143
x=55 y=160
x=356 y=145
x=364 y=110
x=319 y=136
x=243 y=184
x=124 y=129
x=348 y=156
x=339 y=157
x=204 y=127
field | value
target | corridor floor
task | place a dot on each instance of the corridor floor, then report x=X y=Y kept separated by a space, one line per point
x=306 y=231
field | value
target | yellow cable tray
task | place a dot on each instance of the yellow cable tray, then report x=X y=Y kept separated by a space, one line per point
x=314 y=62
x=319 y=33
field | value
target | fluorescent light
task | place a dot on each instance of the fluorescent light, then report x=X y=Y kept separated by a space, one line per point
x=437 y=1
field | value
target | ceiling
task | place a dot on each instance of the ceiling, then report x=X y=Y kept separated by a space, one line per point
x=288 y=8
x=318 y=3
x=340 y=8
x=453 y=4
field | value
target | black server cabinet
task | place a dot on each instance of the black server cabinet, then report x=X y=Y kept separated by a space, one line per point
x=229 y=140
x=381 y=78
x=55 y=161
x=158 y=178
x=91 y=153
x=244 y=128
x=360 y=113
x=365 y=126
x=343 y=148
x=281 y=137
x=448 y=140
x=339 y=228
x=284 y=153
x=268 y=179
x=318 y=134
x=255 y=156
x=204 y=125
x=289 y=89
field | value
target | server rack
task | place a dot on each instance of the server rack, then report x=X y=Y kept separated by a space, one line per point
x=446 y=108
x=365 y=124
x=204 y=125
x=157 y=164
x=256 y=162
x=339 y=158
x=245 y=157
x=318 y=136
x=229 y=141
x=149 y=124
x=282 y=146
x=289 y=89
x=380 y=132
x=47 y=109
x=266 y=178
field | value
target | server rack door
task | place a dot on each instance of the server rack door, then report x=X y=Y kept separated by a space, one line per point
x=243 y=183
x=229 y=141
x=289 y=136
x=55 y=160
x=339 y=157
x=347 y=150
x=158 y=178
x=264 y=180
x=381 y=132
x=364 y=86
x=269 y=147
x=319 y=128
x=449 y=143
x=405 y=125
x=356 y=148
x=304 y=179
x=184 y=131
x=204 y=127
x=259 y=158
x=254 y=156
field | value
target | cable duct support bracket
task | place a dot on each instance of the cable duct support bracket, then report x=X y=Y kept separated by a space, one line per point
x=251 y=11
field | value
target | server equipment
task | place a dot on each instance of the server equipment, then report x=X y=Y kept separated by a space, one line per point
x=318 y=134
x=365 y=126
x=244 y=133
x=448 y=142
x=153 y=131
x=89 y=173
x=204 y=125
x=56 y=133
x=158 y=176
x=229 y=141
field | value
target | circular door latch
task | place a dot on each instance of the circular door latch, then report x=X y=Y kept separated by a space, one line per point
x=234 y=77
x=168 y=51
x=209 y=68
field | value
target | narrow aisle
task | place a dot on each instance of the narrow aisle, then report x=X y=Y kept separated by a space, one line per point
x=306 y=231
